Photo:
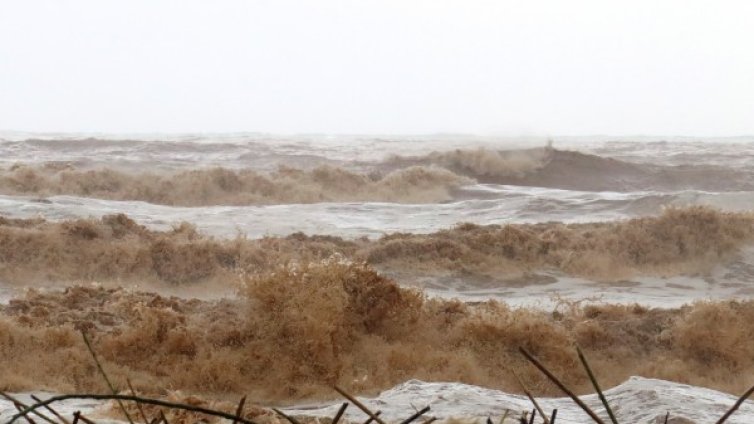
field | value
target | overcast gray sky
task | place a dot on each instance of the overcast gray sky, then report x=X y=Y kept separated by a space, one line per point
x=508 y=67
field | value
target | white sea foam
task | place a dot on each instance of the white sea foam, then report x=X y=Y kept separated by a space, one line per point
x=638 y=400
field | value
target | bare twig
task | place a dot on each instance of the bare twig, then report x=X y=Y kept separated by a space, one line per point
x=416 y=415
x=21 y=408
x=370 y=419
x=596 y=385
x=239 y=410
x=79 y=416
x=359 y=405
x=17 y=402
x=290 y=419
x=104 y=375
x=339 y=414
x=138 y=405
x=531 y=398
x=524 y=418
x=735 y=406
x=85 y=419
x=147 y=401
x=52 y=411
x=561 y=386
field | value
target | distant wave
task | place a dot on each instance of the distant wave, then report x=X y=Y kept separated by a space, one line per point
x=549 y=167
x=222 y=186
x=435 y=177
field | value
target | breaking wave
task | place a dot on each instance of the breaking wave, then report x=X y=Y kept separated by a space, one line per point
x=490 y=163
x=293 y=333
x=222 y=186
x=115 y=248
x=572 y=170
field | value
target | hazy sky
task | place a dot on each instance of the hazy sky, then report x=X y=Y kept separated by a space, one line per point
x=511 y=67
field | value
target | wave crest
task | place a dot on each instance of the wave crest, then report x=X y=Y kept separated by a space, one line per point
x=222 y=186
x=573 y=170
x=491 y=163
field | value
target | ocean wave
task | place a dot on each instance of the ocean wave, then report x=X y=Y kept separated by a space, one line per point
x=432 y=178
x=222 y=186
x=573 y=170
x=293 y=333
x=680 y=241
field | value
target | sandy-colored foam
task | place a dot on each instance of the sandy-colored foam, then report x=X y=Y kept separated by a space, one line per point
x=222 y=186
x=293 y=333
x=115 y=248
x=573 y=170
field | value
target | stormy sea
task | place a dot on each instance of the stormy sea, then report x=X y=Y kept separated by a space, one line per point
x=408 y=270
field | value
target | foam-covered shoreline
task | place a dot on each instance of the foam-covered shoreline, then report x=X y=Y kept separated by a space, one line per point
x=637 y=399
